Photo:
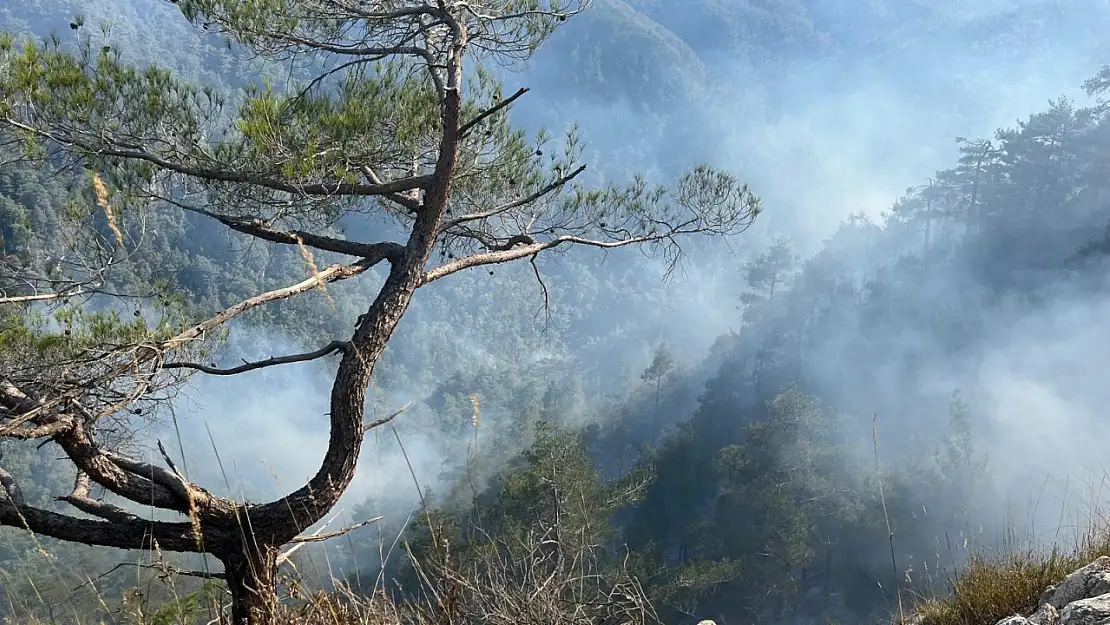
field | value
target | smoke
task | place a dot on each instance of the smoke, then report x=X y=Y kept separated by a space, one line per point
x=819 y=140
x=849 y=133
x=262 y=434
x=1043 y=377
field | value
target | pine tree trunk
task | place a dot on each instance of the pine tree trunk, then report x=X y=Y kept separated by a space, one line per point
x=252 y=582
x=655 y=419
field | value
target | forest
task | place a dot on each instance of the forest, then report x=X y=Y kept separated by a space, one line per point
x=818 y=368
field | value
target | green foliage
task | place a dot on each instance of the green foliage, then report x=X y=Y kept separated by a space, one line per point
x=551 y=487
x=623 y=54
x=556 y=483
x=662 y=366
x=771 y=268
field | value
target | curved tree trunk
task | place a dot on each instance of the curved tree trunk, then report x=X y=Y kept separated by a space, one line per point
x=252 y=581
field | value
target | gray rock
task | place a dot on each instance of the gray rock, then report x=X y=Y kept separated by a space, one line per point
x=1090 y=581
x=1047 y=615
x=1082 y=598
x=1092 y=611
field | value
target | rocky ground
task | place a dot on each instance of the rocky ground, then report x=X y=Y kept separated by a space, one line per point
x=1083 y=598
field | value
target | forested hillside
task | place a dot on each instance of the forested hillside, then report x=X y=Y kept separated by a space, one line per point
x=800 y=423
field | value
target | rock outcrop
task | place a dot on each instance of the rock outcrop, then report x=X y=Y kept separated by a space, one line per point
x=1082 y=598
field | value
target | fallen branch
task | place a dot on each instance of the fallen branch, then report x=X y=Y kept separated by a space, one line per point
x=379 y=422
x=38 y=297
x=317 y=537
x=283 y=558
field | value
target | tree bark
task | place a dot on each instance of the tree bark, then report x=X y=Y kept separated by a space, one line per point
x=281 y=520
x=251 y=575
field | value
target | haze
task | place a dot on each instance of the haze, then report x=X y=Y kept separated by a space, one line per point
x=858 y=104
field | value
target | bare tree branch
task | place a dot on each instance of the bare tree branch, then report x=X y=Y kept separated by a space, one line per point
x=165 y=569
x=546 y=306
x=508 y=206
x=284 y=557
x=332 y=273
x=15 y=400
x=468 y=126
x=128 y=478
x=16 y=429
x=260 y=230
x=39 y=297
x=166 y=478
x=169 y=461
x=134 y=480
x=81 y=500
x=380 y=422
x=408 y=203
x=118 y=534
x=504 y=256
x=315 y=538
x=330 y=348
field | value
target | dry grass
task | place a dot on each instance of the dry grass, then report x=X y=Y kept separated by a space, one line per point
x=535 y=578
x=996 y=586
